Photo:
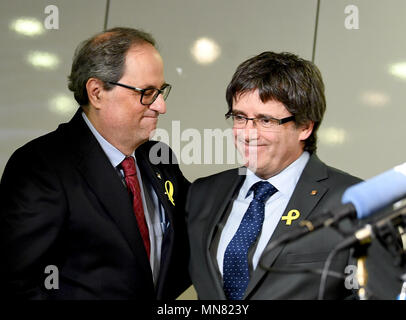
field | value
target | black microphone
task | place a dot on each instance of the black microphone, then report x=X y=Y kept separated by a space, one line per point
x=376 y=229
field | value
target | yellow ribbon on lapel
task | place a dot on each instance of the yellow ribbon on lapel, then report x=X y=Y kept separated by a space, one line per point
x=169 y=191
x=292 y=215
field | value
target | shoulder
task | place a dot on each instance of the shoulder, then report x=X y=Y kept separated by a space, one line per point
x=46 y=151
x=218 y=177
x=159 y=157
x=331 y=175
x=214 y=184
x=36 y=149
x=31 y=169
x=157 y=153
x=205 y=189
x=51 y=143
x=320 y=176
x=339 y=177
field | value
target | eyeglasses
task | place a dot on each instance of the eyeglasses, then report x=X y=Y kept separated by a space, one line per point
x=263 y=123
x=149 y=95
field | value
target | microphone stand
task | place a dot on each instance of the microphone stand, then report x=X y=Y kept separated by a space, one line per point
x=402 y=294
x=360 y=254
x=389 y=231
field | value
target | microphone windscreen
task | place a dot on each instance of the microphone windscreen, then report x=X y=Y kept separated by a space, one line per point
x=378 y=192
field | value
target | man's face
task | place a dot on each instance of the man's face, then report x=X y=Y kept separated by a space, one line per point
x=267 y=152
x=125 y=120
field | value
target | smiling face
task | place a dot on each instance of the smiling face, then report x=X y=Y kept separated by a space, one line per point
x=118 y=114
x=267 y=152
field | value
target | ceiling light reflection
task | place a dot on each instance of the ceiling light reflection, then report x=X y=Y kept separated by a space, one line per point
x=332 y=136
x=375 y=98
x=43 y=60
x=179 y=71
x=205 y=51
x=27 y=26
x=63 y=104
x=398 y=70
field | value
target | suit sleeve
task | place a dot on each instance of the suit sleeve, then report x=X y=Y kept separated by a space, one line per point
x=32 y=211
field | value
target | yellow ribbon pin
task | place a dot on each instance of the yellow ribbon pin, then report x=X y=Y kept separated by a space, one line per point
x=292 y=215
x=169 y=191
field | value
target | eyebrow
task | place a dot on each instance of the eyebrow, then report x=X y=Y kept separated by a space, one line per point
x=258 y=115
x=153 y=87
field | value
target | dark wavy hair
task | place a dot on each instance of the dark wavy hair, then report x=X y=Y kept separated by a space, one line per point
x=284 y=77
x=103 y=56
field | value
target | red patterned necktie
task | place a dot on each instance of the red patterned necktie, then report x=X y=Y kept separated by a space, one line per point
x=130 y=174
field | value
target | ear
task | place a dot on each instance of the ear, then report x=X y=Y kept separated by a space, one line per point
x=306 y=130
x=94 y=88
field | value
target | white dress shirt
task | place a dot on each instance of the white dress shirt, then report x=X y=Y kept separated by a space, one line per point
x=154 y=219
x=285 y=182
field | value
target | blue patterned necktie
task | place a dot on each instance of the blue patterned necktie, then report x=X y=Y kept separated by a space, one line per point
x=235 y=265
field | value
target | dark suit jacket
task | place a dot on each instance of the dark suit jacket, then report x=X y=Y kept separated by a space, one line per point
x=63 y=204
x=211 y=198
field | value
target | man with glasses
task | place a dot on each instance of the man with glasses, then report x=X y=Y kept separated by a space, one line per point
x=275 y=104
x=86 y=211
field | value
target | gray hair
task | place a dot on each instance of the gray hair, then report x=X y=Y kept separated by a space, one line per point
x=103 y=56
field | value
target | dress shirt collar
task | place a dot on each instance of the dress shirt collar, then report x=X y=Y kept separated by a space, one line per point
x=115 y=156
x=285 y=181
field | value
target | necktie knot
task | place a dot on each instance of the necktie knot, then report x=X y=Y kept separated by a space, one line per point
x=128 y=165
x=263 y=190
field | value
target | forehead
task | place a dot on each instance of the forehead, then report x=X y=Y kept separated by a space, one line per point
x=144 y=65
x=250 y=103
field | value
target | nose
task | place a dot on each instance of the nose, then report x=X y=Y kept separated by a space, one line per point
x=250 y=131
x=247 y=135
x=159 y=105
x=251 y=124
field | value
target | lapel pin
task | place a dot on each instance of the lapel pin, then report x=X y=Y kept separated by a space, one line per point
x=313 y=193
x=169 y=191
x=158 y=175
x=292 y=215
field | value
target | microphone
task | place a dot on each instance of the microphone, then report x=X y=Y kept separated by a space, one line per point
x=358 y=201
x=376 y=193
x=378 y=228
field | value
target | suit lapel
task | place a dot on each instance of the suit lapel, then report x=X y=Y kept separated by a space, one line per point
x=227 y=186
x=104 y=181
x=157 y=179
x=304 y=199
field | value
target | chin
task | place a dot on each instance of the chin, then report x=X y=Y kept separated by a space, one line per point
x=253 y=156
x=150 y=120
x=261 y=166
x=141 y=136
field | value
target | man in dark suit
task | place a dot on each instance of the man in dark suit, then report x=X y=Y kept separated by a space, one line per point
x=276 y=104
x=89 y=211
